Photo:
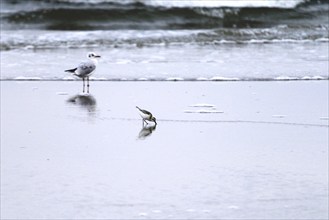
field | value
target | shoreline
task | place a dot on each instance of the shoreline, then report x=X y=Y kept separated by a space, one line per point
x=174 y=79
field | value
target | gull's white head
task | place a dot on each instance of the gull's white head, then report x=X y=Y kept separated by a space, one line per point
x=92 y=55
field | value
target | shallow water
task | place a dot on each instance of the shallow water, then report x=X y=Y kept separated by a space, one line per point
x=89 y=158
x=300 y=61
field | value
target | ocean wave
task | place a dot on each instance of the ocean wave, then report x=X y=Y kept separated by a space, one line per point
x=155 y=14
x=161 y=38
x=131 y=23
x=191 y=4
x=166 y=3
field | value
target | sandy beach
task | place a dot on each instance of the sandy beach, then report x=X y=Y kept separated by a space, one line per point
x=221 y=150
x=239 y=90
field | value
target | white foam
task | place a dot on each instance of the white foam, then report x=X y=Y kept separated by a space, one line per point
x=175 y=79
x=220 y=78
x=29 y=47
x=203 y=111
x=27 y=78
x=97 y=78
x=287 y=40
x=203 y=105
x=306 y=78
x=257 y=41
x=225 y=42
x=210 y=111
x=223 y=3
x=142 y=79
x=123 y=61
x=317 y=77
x=201 y=79
x=285 y=78
x=322 y=40
x=68 y=78
x=204 y=3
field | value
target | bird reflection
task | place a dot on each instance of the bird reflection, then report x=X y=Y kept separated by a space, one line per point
x=86 y=101
x=146 y=131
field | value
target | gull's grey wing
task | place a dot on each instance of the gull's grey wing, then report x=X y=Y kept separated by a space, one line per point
x=85 y=69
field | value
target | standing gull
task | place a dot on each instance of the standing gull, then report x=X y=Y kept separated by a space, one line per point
x=85 y=69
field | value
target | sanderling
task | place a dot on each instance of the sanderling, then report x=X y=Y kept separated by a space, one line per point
x=146 y=115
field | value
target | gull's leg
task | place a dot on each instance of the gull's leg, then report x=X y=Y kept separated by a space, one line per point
x=88 y=84
x=83 y=85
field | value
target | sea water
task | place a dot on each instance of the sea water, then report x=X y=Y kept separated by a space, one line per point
x=166 y=40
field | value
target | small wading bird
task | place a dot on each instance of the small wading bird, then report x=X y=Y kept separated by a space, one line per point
x=146 y=115
x=85 y=69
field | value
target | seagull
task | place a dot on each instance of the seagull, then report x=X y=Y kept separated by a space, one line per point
x=85 y=69
x=146 y=115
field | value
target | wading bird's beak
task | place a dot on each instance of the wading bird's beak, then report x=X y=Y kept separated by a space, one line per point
x=97 y=56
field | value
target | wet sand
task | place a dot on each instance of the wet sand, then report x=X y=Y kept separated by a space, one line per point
x=228 y=150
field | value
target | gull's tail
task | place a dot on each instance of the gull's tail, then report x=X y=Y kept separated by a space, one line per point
x=71 y=70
